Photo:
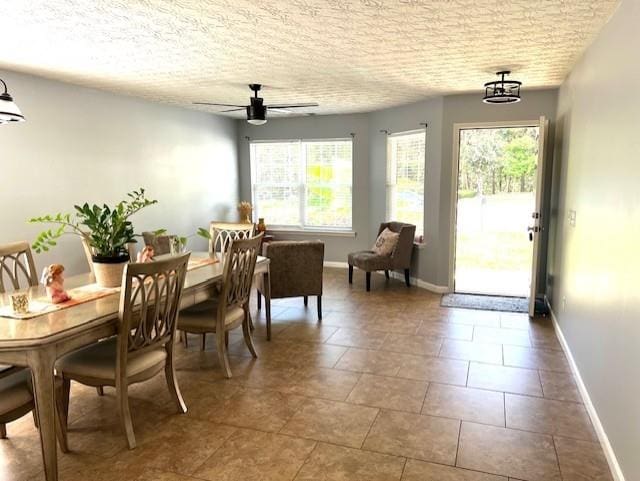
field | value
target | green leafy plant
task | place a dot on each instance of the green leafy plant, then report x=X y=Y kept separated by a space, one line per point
x=106 y=229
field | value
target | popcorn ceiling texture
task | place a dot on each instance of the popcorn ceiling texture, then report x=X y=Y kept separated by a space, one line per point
x=348 y=55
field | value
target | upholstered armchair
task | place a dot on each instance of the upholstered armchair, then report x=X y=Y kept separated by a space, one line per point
x=295 y=269
x=400 y=258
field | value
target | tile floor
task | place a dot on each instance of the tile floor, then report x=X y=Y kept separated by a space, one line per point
x=389 y=387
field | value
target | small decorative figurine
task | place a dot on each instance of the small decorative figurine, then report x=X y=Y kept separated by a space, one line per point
x=53 y=281
x=146 y=254
x=245 y=209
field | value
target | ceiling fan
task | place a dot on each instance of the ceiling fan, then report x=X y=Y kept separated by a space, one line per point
x=257 y=110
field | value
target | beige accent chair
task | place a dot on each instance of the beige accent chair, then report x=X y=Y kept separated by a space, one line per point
x=231 y=308
x=144 y=345
x=17 y=270
x=400 y=258
x=295 y=270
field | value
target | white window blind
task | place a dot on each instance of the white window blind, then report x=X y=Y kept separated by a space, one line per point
x=405 y=178
x=303 y=183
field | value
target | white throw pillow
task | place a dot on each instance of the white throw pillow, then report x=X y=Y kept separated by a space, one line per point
x=386 y=243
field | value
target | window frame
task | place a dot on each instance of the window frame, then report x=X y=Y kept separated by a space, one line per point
x=391 y=180
x=302 y=186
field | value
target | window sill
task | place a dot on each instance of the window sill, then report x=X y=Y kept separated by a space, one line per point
x=313 y=232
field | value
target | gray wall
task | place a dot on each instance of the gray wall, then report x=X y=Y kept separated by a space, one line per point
x=595 y=264
x=80 y=145
x=319 y=127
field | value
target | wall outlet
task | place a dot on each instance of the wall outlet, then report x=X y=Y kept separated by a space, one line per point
x=572 y=218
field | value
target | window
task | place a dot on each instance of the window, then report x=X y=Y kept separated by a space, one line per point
x=405 y=178
x=303 y=184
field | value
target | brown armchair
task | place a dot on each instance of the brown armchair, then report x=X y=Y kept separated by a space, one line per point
x=295 y=269
x=400 y=258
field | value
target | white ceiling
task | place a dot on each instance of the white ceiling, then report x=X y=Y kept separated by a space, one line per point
x=347 y=55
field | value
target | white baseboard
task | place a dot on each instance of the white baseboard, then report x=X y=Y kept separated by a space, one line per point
x=414 y=281
x=591 y=410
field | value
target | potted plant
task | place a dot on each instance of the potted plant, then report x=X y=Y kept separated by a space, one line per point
x=105 y=230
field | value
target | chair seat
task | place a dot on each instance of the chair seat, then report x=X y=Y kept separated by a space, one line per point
x=369 y=261
x=98 y=361
x=202 y=317
x=15 y=391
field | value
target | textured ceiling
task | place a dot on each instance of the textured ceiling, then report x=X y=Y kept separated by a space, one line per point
x=347 y=55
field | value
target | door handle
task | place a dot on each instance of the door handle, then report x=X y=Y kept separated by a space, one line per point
x=531 y=230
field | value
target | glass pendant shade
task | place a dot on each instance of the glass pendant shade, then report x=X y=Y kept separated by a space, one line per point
x=9 y=111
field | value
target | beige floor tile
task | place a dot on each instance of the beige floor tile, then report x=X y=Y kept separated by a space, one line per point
x=549 y=417
x=582 y=460
x=256 y=455
x=389 y=392
x=369 y=361
x=399 y=324
x=306 y=332
x=412 y=344
x=298 y=313
x=422 y=368
x=474 y=317
x=544 y=359
x=254 y=408
x=560 y=386
x=467 y=404
x=310 y=354
x=324 y=383
x=447 y=330
x=415 y=436
x=472 y=351
x=420 y=471
x=506 y=379
x=337 y=463
x=507 y=452
x=514 y=320
x=496 y=335
x=366 y=339
x=332 y=422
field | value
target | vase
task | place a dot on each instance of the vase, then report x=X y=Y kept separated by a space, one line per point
x=108 y=270
x=262 y=227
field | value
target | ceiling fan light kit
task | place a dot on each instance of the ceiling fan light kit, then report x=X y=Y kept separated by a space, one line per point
x=9 y=111
x=502 y=91
x=257 y=110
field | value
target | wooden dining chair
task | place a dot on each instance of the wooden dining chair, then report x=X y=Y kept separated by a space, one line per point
x=17 y=271
x=144 y=345
x=224 y=233
x=231 y=308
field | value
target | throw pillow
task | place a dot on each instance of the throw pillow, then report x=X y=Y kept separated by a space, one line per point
x=385 y=243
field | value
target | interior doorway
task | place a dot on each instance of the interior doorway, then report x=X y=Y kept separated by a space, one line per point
x=496 y=221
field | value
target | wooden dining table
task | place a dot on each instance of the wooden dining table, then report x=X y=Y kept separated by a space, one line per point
x=38 y=342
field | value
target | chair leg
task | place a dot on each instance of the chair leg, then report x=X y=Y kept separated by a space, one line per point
x=386 y=274
x=3 y=431
x=368 y=281
x=319 y=308
x=226 y=339
x=204 y=341
x=246 y=332
x=35 y=418
x=350 y=274
x=259 y=299
x=172 y=381
x=306 y=300
x=100 y=390
x=406 y=278
x=62 y=419
x=125 y=413
x=222 y=354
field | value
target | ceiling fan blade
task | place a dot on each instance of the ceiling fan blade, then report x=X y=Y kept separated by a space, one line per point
x=233 y=110
x=219 y=105
x=292 y=106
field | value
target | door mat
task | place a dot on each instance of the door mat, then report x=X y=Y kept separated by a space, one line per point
x=488 y=303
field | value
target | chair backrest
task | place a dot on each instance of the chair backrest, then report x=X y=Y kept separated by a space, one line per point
x=238 y=270
x=149 y=305
x=161 y=243
x=295 y=267
x=401 y=254
x=224 y=233
x=17 y=269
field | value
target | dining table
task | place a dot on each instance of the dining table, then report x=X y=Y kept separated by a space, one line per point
x=39 y=341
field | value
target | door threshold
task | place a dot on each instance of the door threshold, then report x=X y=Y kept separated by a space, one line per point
x=486 y=302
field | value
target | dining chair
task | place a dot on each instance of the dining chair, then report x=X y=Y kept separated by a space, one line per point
x=17 y=270
x=143 y=346
x=224 y=233
x=161 y=243
x=231 y=308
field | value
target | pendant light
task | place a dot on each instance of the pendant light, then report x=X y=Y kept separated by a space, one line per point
x=9 y=111
x=502 y=91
